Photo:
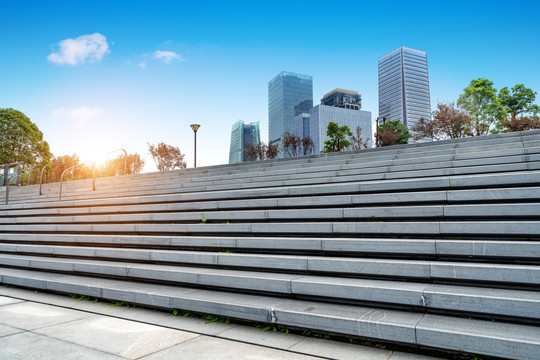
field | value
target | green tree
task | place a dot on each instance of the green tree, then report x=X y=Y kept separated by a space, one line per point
x=518 y=103
x=166 y=157
x=337 y=137
x=392 y=132
x=21 y=140
x=480 y=100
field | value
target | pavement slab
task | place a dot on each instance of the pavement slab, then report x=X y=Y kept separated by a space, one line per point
x=25 y=346
x=120 y=337
x=7 y=300
x=30 y=315
x=222 y=349
x=6 y=330
x=342 y=351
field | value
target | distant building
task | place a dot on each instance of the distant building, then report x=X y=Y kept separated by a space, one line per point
x=321 y=115
x=289 y=94
x=341 y=106
x=241 y=135
x=404 y=86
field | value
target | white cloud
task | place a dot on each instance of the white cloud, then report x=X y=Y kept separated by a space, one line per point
x=80 y=115
x=77 y=51
x=167 y=56
x=142 y=65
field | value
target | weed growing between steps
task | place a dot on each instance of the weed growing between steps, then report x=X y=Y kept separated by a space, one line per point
x=273 y=328
x=226 y=251
x=82 y=297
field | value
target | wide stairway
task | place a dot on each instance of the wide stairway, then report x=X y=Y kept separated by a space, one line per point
x=431 y=246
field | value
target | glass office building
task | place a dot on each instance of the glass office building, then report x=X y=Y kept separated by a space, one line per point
x=241 y=135
x=285 y=92
x=404 y=86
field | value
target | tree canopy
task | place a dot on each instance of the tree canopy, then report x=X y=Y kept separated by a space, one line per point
x=449 y=122
x=294 y=145
x=261 y=151
x=291 y=144
x=21 y=140
x=337 y=137
x=521 y=124
x=480 y=100
x=112 y=167
x=166 y=157
x=520 y=102
x=393 y=132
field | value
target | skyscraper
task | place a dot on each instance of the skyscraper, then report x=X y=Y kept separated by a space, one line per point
x=404 y=86
x=285 y=92
x=242 y=135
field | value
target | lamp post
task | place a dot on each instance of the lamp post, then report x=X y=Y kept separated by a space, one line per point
x=195 y=127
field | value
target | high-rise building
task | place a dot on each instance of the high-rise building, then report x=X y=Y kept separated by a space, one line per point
x=340 y=106
x=241 y=135
x=404 y=86
x=286 y=92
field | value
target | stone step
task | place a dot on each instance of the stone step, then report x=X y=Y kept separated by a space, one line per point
x=498 y=229
x=499 y=248
x=442 y=332
x=487 y=195
x=251 y=280
x=495 y=210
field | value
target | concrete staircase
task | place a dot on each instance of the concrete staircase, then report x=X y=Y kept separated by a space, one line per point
x=432 y=245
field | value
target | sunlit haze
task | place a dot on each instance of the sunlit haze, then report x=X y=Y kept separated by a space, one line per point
x=100 y=75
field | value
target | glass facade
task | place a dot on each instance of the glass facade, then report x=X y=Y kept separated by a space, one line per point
x=301 y=125
x=285 y=92
x=321 y=115
x=241 y=135
x=404 y=86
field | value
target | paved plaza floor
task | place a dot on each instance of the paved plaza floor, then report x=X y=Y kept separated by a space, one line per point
x=35 y=325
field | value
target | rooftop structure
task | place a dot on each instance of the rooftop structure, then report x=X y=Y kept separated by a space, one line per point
x=343 y=98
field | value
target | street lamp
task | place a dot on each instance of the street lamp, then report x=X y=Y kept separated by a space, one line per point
x=195 y=127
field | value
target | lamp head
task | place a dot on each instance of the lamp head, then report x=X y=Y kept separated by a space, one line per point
x=195 y=127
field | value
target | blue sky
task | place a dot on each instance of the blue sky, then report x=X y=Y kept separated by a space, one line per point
x=137 y=72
